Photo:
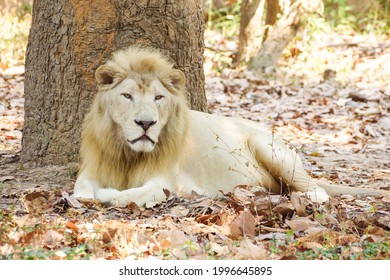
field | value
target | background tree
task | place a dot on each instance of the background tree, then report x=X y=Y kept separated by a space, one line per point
x=282 y=32
x=251 y=29
x=70 y=39
x=273 y=9
x=261 y=42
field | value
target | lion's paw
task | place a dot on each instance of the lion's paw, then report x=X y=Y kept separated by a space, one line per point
x=106 y=195
x=318 y=195
x=123 y=198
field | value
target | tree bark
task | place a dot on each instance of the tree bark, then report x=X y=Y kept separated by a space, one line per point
x=70 y=39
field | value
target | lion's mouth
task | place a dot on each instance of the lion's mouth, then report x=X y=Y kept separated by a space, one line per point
x=142 y=138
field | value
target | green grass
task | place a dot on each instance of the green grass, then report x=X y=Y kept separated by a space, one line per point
x=340 y=16
x=226 y=19
x=368 y=251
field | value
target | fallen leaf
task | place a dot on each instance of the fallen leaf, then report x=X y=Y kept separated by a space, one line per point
x=284 y=208
x=219 y=249
x=384 y=221
x=386 y=199
x=71 y=200
x=180 y=211
x=71 y=226
x=109 y=234
x=243 y=194
x=351 y=250
x=243 y=225
x=36 y=202
x=299 y=224
x=251 y=251
x=52 y=238
x=312 y=246
x=176 y=240
x=210 y=219
x=299 y=202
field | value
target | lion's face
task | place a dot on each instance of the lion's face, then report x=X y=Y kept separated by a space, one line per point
x=140 y=107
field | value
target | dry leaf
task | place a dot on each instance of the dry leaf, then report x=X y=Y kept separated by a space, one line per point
x=71 y=226
x=218 y=249
x=299 y=202
x=312 y=246
x=384 y=221
x=36 y=202
x=351 y=250
x=251 y=251
x=284 y=208
x=176 y=238
x=386 y=199
x=180 y=211
x=244 y=224
x=243 y=194
x=52 y=238
x=210 y=219
x=71 y=200
x=299 y=224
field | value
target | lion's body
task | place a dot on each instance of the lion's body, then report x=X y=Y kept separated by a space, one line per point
x=140 y=137
x=222 y=154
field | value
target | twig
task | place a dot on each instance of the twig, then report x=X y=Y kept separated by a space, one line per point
x=271 y=229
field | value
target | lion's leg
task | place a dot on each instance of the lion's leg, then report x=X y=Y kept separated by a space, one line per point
x=285 y=165
x=85 y=187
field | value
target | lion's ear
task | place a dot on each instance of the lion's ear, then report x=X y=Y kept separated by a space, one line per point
x=105 y=75
x=177 y=79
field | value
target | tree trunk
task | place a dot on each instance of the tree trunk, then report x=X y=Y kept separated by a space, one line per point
x=70 y=39
x=273 y=9
x=251 y=30
x=281 y=34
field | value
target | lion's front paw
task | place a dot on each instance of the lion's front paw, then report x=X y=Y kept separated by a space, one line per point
x=318 y=195
x=137 y=195
x=106 y=195
x=121 y=201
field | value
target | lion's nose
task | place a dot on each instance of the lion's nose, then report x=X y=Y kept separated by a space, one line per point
x=145 y=124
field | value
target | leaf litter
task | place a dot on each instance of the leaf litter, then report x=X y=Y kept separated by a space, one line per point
x=341 y=131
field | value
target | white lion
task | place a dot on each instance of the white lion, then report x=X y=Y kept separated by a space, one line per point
x=140 y=137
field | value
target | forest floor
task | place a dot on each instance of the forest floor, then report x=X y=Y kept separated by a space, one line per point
x=339 y=122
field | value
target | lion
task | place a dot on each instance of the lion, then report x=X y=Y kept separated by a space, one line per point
x=140 y=137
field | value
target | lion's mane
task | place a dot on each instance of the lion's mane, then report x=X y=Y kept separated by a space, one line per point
x=105 y=155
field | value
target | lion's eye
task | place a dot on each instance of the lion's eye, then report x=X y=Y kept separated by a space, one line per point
x=159 y=97
x=127 y=96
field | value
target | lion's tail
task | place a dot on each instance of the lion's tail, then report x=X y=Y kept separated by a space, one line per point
x=338 y=190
